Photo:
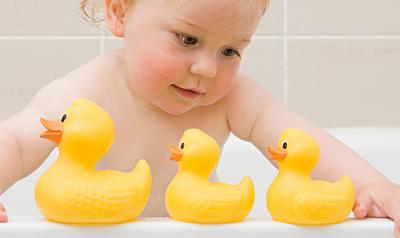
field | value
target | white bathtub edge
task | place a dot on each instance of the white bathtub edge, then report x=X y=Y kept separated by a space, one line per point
x=165 y=227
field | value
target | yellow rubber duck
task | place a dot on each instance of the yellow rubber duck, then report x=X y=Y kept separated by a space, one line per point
x=190 y=197
x=71 y=191
x=293 y=197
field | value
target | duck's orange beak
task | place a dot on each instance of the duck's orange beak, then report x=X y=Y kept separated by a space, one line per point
x=176 y=153
x=276 y=153
x=54 y=130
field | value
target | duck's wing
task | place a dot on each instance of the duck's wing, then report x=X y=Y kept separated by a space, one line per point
x=214 y=207
x=91 y=200
x=310 y=205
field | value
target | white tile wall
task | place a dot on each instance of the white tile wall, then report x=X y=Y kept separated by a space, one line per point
x=301 y=52
x=28 y=64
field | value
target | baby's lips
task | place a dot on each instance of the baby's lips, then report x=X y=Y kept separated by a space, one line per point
x=277 y=153
x=176 y=153
x=54 y=130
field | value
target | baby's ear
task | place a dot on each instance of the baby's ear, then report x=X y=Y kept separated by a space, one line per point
x=115 y=16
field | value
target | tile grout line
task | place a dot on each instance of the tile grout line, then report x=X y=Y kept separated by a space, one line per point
x=285 y=55
x=329 y=37
x=102 y=38
x=22 y=38
x=290 y=37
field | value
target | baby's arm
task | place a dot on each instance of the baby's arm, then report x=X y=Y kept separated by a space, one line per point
x=21 y=149
x=255 y=117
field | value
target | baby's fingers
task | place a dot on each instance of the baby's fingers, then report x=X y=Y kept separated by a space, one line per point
x=393 y=211
x=397 y=227
x=3 y=214
x=361 y=206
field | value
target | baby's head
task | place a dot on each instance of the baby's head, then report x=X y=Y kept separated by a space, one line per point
x=180 y=54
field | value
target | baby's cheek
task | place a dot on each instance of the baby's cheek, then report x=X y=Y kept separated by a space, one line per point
x=221 y=87
x=225 y=84
x=157 y=69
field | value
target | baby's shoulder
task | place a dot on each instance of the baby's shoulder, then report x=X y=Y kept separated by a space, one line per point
x=244 y=103
x=87 y=81
x=245 y=90
x=95 y=79
x=97 y=69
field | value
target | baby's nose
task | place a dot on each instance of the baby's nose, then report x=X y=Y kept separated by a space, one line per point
x=205 y=66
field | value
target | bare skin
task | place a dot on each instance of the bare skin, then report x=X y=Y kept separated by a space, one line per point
x=169 y=47
x=142 y=131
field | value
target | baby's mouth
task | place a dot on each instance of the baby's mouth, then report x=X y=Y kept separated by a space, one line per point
x=187 y=93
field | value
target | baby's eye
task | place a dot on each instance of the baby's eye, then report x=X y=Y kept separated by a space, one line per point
x=230 y=52
x=186 y=40
x=182 y=145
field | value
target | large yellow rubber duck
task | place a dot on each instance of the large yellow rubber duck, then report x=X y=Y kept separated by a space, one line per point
x=71 y=191
x=293 y=197
x=190 y=197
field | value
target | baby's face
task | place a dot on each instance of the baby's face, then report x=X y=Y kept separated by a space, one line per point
x=183 y=54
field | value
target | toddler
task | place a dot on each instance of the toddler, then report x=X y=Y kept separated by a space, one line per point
x=179 y=69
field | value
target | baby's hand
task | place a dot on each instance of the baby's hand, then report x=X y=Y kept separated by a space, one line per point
x=3 y=215
x=379 y=200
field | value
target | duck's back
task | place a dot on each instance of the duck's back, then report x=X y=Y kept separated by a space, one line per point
x=310 y=202
x=201 y=201
x=91 y=196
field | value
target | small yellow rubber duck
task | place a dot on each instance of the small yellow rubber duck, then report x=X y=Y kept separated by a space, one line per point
x=71 y=191
x=293 y=197
x=190 y=197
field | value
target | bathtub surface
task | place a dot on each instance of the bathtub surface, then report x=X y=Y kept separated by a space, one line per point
x=165 y=227
x=379 y=146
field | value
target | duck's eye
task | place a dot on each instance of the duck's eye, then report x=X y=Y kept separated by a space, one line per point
x=64 y=117
x=182 y=145
x=284 y=145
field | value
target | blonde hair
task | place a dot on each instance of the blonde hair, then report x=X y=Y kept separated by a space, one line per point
x=93 y=11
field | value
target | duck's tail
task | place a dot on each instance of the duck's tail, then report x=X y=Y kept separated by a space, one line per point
x=246 y=185
x=348 y=190
x=346 y=184
x=142 y=175
x=141 y=165
x=142 y=170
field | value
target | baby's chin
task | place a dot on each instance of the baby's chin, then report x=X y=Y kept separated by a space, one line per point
x=176 y=109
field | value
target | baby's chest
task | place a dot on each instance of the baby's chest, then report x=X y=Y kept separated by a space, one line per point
x=150 y=139
x=129 y=147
